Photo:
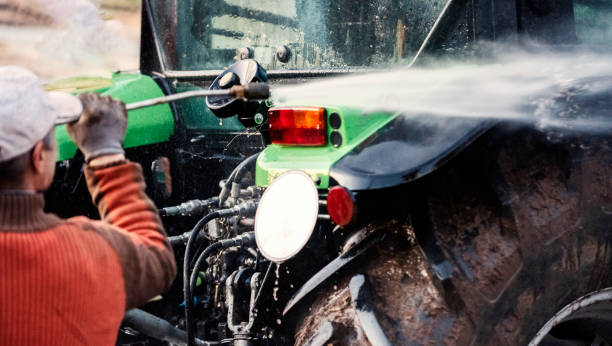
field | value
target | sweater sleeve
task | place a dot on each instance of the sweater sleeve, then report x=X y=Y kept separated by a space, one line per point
x=130 y=223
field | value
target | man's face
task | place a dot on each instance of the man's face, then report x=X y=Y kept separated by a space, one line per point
x=49 y=158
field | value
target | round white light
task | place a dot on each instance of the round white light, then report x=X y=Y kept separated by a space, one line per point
x=286 y=216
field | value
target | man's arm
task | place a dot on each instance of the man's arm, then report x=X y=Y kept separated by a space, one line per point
x=137 y=237
x=130 y=221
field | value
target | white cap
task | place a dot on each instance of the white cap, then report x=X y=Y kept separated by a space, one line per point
x=28 y=112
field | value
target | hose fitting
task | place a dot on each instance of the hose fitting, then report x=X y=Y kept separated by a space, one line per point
x=244 y=209
x=189 y=208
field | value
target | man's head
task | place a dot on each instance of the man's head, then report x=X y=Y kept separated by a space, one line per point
x=28 y=116
x=32 y=170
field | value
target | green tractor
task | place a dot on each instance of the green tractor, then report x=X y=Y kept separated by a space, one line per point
x=315 y=223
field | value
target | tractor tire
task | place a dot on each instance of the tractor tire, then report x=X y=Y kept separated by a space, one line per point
x=492 y=245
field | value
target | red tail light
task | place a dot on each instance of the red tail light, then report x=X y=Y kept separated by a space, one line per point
x=305 y=126
x=341 y=206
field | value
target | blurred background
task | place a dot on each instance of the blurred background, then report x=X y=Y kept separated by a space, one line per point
x=63 y=38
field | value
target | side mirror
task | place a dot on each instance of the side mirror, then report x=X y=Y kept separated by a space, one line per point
x=242 y=72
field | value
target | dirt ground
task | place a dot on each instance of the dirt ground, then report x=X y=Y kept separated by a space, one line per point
x=63 y=38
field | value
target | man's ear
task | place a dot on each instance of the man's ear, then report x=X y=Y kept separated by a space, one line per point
x=38 y=155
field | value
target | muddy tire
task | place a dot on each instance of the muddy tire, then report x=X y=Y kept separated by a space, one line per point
x=495 y=243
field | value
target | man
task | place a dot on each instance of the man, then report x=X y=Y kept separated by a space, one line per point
x=69 y=282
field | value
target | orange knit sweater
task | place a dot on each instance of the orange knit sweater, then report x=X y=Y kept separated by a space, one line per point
x=68 y=282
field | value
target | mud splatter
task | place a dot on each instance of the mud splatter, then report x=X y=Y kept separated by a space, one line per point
x=412 y=311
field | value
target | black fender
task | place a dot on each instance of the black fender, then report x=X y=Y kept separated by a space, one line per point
x=494 y=244
x=407 y=148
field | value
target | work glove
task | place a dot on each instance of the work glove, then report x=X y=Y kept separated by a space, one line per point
x=101 y=128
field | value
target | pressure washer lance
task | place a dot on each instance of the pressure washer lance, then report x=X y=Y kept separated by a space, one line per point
x=251 y=91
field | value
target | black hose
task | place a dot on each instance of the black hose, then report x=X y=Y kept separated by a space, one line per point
x=188 y=289
x=243 y=239
x=197 y=267
x=227 y=187
x=241 y=169
x=158 y=328
x=198 y=251
x=186 y=292
x=244 y=209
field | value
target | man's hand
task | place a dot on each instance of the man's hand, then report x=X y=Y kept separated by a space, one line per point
x=101 y=128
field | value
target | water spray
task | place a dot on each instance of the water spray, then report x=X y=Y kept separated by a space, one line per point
x=565 y=90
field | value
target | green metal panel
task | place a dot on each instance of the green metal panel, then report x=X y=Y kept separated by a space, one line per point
x=145 y=126
x=356 y=127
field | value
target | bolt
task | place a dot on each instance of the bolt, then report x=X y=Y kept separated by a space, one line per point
x=283 y=54
x=245 y=53
x=259 y=118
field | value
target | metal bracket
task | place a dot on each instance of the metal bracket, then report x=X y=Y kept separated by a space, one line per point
x=361 y=297
x=333 y=267
x=242 y=328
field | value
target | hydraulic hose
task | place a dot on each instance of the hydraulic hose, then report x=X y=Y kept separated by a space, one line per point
x=243 y=209
x=201 y=247
x=241 y=169
x=244 y=239
x=189 y=300
x=227 y=187
x=158 y=328
x=241 y=240
x=187 y=294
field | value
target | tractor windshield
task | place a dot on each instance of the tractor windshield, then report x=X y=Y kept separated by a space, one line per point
x=291 y=34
